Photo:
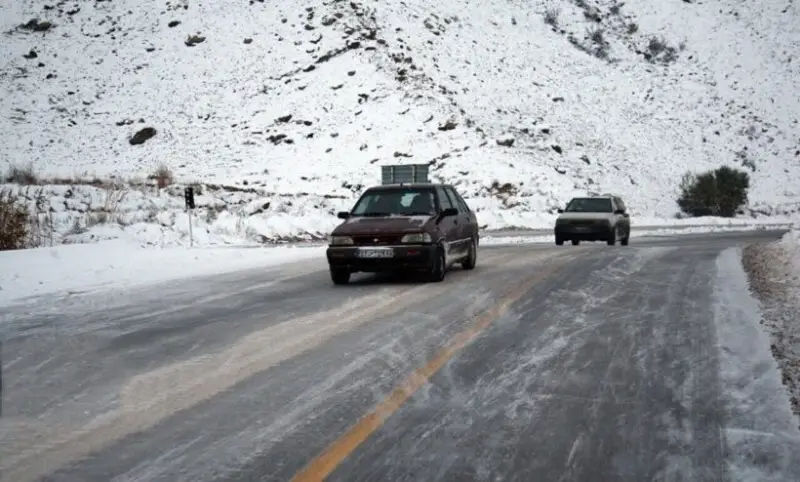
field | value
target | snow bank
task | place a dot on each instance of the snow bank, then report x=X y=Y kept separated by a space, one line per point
x=70 y=269
x=147 y=215
x=721 y=226
x=774 y=273
x=761 y=432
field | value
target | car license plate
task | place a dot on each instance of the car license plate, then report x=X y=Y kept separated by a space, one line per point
x=375 y=252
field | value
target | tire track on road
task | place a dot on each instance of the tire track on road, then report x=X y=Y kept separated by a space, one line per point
x=148 y=398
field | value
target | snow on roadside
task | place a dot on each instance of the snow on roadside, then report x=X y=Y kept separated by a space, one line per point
x=774 y=271
x=120 y=264
x=761 y=432
x=495 y=239
x=226 y=215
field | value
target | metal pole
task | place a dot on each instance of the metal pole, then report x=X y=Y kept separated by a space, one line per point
x=191 y=239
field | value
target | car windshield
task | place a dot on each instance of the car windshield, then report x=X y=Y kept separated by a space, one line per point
x=589 y=205
x=402 y=201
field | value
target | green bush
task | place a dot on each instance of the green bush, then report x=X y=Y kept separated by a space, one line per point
x=720 y=192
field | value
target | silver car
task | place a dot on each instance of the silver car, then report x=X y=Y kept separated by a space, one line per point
x=595 y=218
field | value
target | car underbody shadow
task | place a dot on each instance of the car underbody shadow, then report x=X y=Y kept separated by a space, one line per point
x=401 y=277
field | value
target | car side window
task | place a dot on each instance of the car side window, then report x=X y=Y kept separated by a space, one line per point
x=458 y=200
x=444 y=200
x=620 y=204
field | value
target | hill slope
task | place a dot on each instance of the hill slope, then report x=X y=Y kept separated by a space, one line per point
x=303 y=101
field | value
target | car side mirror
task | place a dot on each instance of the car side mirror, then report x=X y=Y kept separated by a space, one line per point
x=560 y=211
x=619 y=211
x=449 y=212
x=343 y=215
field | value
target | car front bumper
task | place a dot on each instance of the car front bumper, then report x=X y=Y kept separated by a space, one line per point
x=583 y=232
x=404 y=258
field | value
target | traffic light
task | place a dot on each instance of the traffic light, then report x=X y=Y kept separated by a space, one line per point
x=188 y=195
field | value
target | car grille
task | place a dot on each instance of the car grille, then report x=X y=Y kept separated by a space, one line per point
x=377 y=240
x=585 y=223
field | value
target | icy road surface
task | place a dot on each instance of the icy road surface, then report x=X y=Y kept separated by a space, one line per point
x=587 y=363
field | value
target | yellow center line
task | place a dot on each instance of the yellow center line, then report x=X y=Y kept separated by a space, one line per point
x=326 y=462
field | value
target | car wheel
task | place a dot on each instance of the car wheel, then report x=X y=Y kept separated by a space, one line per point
x=472 y=256
x=340 y=276
x=438 y=268
x=612 y=237
x=559 y=241
x=624 y=241
x=576 y=242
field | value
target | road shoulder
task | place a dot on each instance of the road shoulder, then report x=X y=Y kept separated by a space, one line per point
x=772 y=270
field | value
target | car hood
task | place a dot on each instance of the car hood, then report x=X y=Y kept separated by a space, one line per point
x=391 y=224
x=584 y=216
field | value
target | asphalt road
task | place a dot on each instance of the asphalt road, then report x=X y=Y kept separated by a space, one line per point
x=544 y=363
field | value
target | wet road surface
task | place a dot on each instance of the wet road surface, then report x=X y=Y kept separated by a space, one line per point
x=544 y=363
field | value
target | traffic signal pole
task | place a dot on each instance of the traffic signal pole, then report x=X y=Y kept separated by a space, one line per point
x=188 y=195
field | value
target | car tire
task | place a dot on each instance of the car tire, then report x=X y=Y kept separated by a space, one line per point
x=612 y=237
x=438 y=268
x=340 y=276
x=576 y=242
x=559 y=241
x=624 y=241
x=472 y=256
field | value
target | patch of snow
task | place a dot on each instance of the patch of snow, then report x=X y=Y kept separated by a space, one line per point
x=305 y=112
x=118 y=264
x=761 y=431
x=72 y=214
x=774 y=273
x=509 y=240
x=639 y=232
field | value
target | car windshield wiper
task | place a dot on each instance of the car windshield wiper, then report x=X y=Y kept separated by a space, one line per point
x=417 y=213
x=376 y=214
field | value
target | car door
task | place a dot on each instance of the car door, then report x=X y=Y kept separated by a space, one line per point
x=467 y=220
x=623 y=220
x=448 y=225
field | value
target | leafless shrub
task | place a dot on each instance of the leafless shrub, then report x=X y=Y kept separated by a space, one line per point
x=163 y=176
x=593 y=14
x=23 y=225
x=632 y=28
x=113 y=199
x=656 y=45
x=597 y=36
x=13 y=221
x=659 y=49
x=551 y=16
x=40 y=221
x=24 y=175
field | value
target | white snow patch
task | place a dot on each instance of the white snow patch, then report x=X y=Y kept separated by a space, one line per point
x=761 y=431
x=119 y=264
x=640 y=232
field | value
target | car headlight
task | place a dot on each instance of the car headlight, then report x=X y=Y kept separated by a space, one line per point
x=340 y=240
x=416 y=238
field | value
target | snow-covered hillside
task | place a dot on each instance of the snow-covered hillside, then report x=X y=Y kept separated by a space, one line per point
x=301 y=103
